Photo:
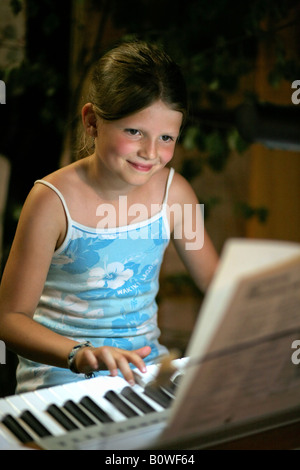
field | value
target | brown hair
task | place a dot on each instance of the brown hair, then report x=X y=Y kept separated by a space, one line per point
x=131 y=77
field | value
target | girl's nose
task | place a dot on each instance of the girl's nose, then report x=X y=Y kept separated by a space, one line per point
x=148 y=150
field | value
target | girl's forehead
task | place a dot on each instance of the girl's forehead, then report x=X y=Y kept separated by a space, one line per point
x=156 y=113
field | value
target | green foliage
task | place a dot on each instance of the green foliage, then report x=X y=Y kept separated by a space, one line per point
x=285 y=68
x=248 y=212
x=16 y=6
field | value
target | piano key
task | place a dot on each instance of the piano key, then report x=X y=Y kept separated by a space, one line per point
x=95 y=410
x=34 y=424
x=115 y=400
x=7 y=439
x=140 y=391
x=95 y=405
x=13 y=424
x=60 y=395
x=49 y=397
x=89 y=397
x=95 y=389
x=72 y=395
x=157 y=394
x=56 y=396
x=61 y=417
x=136 y=400
x=16 y=402
x=38 y=407
x=32 y=401
x=7 y=408
x=78 y=413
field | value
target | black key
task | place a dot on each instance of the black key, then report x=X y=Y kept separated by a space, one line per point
x=95 y=410
x=35 y=424
x=115 y=400
x=15 y=427
x=78 y=413
x=61 y=417
x=158 y=395
x=136 y=400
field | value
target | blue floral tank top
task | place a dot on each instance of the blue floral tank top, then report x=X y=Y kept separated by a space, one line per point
x=101 y=286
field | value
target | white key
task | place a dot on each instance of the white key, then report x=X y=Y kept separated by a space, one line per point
x=8 y=406
x=56 y=396
x=49 y=396
x=7 y=439
x=72 y=392
x=31 y=402
x=96 y=389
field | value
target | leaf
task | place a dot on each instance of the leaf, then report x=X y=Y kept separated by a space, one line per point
x=249 y=212
x=16 y=6
x=218 y=150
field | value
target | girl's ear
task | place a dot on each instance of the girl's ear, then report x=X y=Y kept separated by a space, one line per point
x=89 y=119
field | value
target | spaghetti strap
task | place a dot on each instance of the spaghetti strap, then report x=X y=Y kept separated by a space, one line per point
x=169 y=181
x=46 y=183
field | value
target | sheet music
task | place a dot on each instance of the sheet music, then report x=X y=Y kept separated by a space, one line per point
x=247 y=371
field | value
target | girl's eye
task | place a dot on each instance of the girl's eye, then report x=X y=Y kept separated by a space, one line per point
x=167 y=138
x=133 y=132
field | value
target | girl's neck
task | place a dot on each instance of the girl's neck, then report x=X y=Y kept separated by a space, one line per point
x=107 y=185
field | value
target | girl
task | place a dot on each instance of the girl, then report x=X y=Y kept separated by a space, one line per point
x=78 y=291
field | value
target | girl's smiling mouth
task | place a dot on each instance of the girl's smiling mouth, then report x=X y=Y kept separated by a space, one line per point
x=140 y=166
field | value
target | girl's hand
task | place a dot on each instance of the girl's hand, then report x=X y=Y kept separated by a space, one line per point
x=107 y=357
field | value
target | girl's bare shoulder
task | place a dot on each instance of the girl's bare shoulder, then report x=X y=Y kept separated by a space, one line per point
x=181 y=190
x=64 y=178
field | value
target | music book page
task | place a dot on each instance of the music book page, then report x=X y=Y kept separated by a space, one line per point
x=240 y=354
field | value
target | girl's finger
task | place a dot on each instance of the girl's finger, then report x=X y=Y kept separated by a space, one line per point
x=105 y=355
x=125 y=369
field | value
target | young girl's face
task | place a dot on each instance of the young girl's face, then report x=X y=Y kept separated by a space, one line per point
x=137 y=146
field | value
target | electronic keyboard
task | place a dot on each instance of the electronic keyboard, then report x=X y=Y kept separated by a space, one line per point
x=99 y=413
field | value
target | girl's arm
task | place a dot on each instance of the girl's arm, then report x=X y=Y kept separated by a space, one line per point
x=41 y=229
x=190 y=238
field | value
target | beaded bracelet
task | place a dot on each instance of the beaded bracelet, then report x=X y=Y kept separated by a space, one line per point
x=72 y=355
